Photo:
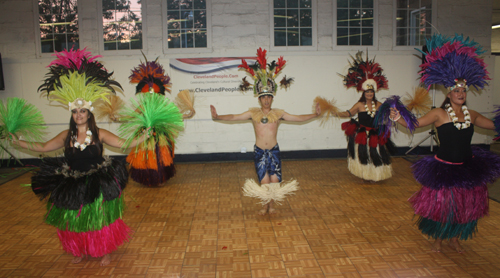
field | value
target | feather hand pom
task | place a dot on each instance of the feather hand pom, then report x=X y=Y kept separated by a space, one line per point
x=152 y=111
x=110 y=110
x=286 y=82
x=185 y=102
x=384 y=124
x=420 y=102
x=496 y=121
x=22 y=119
x=327 y=107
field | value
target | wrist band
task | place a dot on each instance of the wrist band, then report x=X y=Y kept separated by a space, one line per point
x=395 y=120
x=350 y=115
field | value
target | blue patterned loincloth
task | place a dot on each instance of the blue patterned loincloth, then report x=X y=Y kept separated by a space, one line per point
x=267 y=161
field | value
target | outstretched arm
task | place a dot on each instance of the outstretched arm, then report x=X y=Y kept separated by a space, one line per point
x=230 y=117
x=351 y=112
x=481 y=121
x=51 y=145
x=112 y=140
x=301 y=118
x=430 y=118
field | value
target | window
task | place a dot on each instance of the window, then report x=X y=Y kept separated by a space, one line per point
x=58 y=21
x=413 y=22
x=186 y=24
x=122 y=24
x=355 y=22
x=293 y=23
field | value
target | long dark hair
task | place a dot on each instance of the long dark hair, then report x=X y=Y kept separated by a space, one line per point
x=74 y=130
x=363 y=98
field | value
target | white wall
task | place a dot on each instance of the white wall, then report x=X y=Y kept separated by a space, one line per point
x=238 y=29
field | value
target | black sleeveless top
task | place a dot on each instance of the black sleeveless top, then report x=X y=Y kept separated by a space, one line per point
x=365 y=119
x=83 y=160
x=454 y=143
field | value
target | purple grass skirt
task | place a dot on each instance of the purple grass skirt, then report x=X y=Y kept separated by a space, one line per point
x=453 y=196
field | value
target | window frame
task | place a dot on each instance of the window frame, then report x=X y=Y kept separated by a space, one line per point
x=167 y=50
x=102 y=51
x=357 y=47
x=314 y=27
x=394 y=26
x=38 y=40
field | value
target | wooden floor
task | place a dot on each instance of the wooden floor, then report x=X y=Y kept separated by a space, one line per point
x=200 y=225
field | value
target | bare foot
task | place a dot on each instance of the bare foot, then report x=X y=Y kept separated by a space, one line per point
x=264 y=209
x=76 y=260
x=456 y=245
x=271 y=208
x=106 y=259
x=436 y=246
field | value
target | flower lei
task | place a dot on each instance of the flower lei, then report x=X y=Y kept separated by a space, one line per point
x=454 y=117
x=88 y=140
x=371 y=112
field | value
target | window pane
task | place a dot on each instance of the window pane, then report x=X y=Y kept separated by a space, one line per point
x=342 y=3
x=354 y=36
x=292 y=18
x=367 y=36
x=367 y=18
x=413 y=4
x=292 y=3
x=305 y=36
x=279 y=4
x=200 y=19
x=401 y=18
x=354 y=17
x=293 y=37
x=279 y=18
x=342 y=17
x=200 y=4
x=305 y=18
x=426 y=4
x=354 y=3
x=122 y=24
x=174 y=40
x=401 y=36
x=279 y=37
x=200 y=38
x=305 y=4
x=58 y=21
x=342 y=36
x=402 y=4
x=367 y=4
x=187 y=23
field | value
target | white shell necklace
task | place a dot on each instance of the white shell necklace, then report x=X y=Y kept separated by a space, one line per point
x=88 y=140
x=371 y=112
x=454 y=118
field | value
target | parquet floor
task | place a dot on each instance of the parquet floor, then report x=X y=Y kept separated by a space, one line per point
x=200 y=225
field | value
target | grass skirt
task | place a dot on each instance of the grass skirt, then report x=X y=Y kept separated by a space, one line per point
x=453 y=196
x=85 y=207
x=268 y=192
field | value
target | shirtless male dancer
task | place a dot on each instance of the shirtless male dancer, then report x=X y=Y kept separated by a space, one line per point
x=265 y=122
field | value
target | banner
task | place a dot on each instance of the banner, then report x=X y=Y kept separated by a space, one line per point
x=218 y=76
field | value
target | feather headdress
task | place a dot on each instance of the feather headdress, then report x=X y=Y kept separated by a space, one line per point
x=74 y=66
x=150 y=77
x=264 y=75
x=453 y=62
x=365 y=74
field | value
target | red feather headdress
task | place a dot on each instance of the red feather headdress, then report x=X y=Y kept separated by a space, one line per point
x=365 y=74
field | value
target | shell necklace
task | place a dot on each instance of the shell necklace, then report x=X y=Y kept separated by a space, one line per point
x=454 y=118
x=371 y=112
x=88 y=141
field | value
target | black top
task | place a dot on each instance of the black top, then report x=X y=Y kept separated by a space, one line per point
x=83 y=160
x=454 y=143
x=365 y=119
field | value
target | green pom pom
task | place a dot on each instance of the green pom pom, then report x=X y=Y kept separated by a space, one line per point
x=21 y=118
x=152 y=111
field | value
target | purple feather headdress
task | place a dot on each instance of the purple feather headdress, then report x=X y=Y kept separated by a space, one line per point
x=150 y=76
x=454 y=59
x=384 y=124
